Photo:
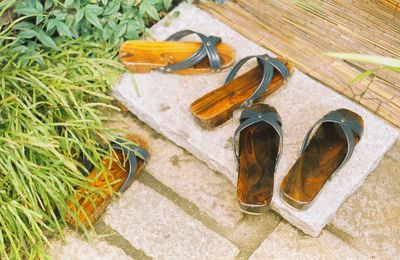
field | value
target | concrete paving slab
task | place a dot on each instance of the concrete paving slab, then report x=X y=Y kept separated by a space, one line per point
x=394 y=152
x=211 y=192
x=370 y=217
x=77 y=247
x=286 y=242
x=164 y=102
x=154 y=224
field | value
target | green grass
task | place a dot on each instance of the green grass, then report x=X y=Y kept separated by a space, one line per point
x=50 y=114
x=54 y=85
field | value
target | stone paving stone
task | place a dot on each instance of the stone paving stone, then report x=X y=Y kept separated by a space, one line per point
x=394 y=152
x=371 y=216
x=287 y=242
x=252 y=230
x=211 y=192
x=165 y=99
x=77 y=247
x=157 y=226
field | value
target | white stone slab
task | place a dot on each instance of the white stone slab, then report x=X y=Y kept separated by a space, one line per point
x=165 y=99
x=79 y=248
x=371 y=216
x=185 y=174
x=288 y=243
x=156 y=225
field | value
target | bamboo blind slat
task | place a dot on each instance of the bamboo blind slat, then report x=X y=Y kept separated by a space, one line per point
x=303 y=30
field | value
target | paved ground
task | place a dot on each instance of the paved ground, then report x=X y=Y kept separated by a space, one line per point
x=180 y=209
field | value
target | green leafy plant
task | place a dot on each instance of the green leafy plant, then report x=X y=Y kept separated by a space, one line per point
x=57 y=68
x=49 y=117
x=384 y=62
x=103 y=20
x=57 y=62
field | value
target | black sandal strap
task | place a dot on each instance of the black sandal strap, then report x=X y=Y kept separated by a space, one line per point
x=207 y=49
x=269 y=65
x=131 y=152
x=349 y=126
x=250 y=117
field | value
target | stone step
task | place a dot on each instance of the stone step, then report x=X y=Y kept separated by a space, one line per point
x=164 y=102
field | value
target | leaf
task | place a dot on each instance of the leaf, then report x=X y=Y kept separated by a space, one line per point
x=381 y=60
x=362 y=76
x=46 y=40
x=68 y=2
x=24 y=25
x=167 y=4
x=51 y=24
x=131 y=31
x=112 y=25
x=92 y=18
x=60 y=15
x=27 y=11
x=20 y=49
x=63 y=30
x=39 y=6
x=48 y=4
x=394 y=69
x=152 y=12
x=79 y=15
x=121 y=29
x=28 y=34
x=94 y=9
x=107 y=32
x=104 y=2
x=69 y=20
x=39 y=19
x=112 y=8
x=143 y=8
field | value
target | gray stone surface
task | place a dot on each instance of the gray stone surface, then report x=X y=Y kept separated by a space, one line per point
x=286 y=242
x=77 y=247
x=164 y=102
x=156 y=225
x=185 y=174
x=370 y=218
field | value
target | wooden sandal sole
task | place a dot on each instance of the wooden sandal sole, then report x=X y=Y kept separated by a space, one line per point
x=319 y=162
x=145 y=56
x=216 y=107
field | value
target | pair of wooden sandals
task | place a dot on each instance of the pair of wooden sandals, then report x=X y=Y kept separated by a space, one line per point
x=327 y=146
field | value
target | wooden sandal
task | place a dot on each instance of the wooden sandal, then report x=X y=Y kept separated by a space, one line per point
x=126 y=164
x=216 y=107
x=327 y=147
x=259 y=141
x=171 y=56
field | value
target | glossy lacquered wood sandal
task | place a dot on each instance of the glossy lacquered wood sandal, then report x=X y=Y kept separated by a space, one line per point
x=216 y=107
x=181 y=57
x=258 y=146
x=327 y=147
x=121 y=169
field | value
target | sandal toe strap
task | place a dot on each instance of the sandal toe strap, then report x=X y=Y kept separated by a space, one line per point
x=349 y=126
x=250 y=117
x=207 y=49
x=269 y=66
x=131 y=152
